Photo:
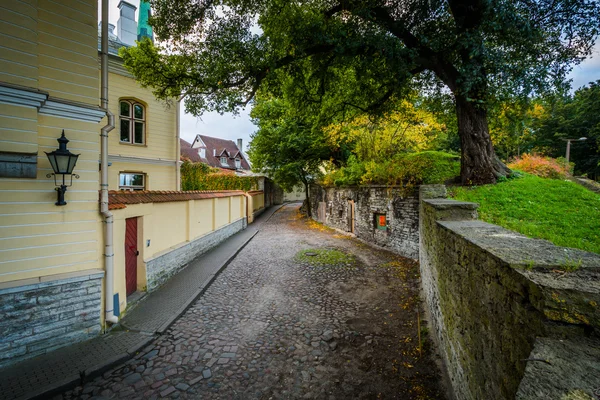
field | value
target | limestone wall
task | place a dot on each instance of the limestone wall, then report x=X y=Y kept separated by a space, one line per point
x=500 y=302
x=55 y=311
x=332 y=206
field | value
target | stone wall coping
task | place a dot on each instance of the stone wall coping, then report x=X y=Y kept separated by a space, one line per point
x=519 y=250
x=445 y=204
x=49 y=280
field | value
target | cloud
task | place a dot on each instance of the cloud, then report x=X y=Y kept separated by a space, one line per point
x=226 y=126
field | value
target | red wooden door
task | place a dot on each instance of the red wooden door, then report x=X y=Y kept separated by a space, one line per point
x=131 y=253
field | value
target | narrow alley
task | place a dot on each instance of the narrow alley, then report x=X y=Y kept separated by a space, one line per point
x=301 y=312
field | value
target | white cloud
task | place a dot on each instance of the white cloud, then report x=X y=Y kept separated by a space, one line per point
x=227 y=126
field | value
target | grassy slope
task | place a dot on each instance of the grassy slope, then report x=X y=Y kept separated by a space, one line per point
x=559 y=211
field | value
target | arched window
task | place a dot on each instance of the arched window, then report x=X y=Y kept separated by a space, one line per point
x=132 y=118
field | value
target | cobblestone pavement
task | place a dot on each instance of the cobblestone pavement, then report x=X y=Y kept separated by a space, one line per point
x=301 y=312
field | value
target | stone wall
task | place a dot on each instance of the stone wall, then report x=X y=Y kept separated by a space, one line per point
x=332 y=206
x=161 y=268
x=41 y=317
x=498 y=300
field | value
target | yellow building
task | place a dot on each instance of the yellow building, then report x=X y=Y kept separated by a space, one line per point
x=50 y=270
x=63 y=266
x=144 y=148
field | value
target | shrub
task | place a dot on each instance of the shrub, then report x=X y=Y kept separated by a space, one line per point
x=199 y=176
x=404 y=169
x=541 y=166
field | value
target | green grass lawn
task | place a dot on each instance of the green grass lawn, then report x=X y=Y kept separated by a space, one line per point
x=560 y=211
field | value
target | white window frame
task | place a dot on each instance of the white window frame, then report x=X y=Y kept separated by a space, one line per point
x=224 y=161
x=238 y=163
x=132 y=122
x=131 y=186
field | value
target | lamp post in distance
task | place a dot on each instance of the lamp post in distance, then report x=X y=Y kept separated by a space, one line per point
x=581 y=139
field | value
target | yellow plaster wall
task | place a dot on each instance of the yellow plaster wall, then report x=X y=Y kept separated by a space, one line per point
x=236 y=207
x=38 y=238
x=161 y=134
x=169 y=223
x=258 y=201
x=68 y=46
x=166 y=226
x=158 y=177
x=18 y=128
x=221 y=212
x=19 y=42
x=203 y=213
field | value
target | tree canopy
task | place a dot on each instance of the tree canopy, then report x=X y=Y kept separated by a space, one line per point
x=353 y=55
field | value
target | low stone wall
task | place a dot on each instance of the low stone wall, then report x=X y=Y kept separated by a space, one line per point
x=495 y=295
x=332 y=207
x=41 y=317
x=161 y=268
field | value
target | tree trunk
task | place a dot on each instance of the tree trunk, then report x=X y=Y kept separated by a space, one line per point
x=479 y=163
x=308 y=205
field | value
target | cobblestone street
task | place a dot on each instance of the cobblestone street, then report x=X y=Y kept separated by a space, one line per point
x=301 y=312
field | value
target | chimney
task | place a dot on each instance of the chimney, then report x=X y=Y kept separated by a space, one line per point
x=240 y=145
x=126 y=26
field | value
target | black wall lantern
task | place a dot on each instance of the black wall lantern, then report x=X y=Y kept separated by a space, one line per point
x=62 y=162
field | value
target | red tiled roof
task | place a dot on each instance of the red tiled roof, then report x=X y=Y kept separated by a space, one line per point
x=187 y=151
x=219 y=145
x=253 y=192
x=119 y=199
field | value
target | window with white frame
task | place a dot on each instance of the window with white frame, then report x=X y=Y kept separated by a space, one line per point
x=224 y=161
x=132 y=181
x=132 y=119
x=238 y=163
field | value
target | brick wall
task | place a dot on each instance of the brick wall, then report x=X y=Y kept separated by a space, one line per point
x=41 y=317
x=331 y=206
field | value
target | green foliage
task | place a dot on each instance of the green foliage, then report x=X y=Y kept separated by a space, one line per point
x=573 y=117
x=559 y=211
x=287 y=146
x=403 y=169
x=200 y=176
x=348 y=56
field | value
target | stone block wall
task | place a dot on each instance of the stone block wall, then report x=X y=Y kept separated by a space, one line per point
x=493 y=295
x=331 y=206
x=161 y=268
x=41 y=317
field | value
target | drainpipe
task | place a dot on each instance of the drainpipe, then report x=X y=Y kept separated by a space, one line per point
x=108 y=216
x=177 y=145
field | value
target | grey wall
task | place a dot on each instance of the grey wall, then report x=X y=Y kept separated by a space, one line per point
x=44 y=316
x=495 y=296
x=330 y=206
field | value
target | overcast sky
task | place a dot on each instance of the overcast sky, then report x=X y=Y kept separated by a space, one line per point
x=232 y=127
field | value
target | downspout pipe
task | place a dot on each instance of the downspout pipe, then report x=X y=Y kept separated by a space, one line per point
x=178 y=144
x=109 y=254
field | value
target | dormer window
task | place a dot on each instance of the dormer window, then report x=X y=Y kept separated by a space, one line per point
x=238 y=163
x=224 y=161
x=202 y=153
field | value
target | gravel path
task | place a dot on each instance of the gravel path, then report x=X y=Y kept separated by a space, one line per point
x=300 y=313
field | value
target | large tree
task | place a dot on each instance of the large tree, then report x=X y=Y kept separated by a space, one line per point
x=287 y=146
x=362 y=53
